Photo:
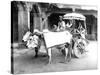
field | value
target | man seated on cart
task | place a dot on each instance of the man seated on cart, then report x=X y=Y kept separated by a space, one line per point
x=61 y=24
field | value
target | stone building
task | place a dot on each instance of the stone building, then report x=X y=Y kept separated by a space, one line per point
x=32 y=15
x=25 y=16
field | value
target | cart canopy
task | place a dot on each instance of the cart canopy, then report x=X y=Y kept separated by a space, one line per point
x=74 y=16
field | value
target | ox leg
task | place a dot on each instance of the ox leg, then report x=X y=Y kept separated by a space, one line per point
x=49 y=54
x=70 y=52
x=36 y=52
x=66 y=54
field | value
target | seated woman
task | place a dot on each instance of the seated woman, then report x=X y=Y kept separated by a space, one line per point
x=81 y=30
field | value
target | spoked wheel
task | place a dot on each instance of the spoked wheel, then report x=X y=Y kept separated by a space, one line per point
x=79 y=48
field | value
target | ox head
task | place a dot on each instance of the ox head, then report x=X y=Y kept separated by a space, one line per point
x=26 y=36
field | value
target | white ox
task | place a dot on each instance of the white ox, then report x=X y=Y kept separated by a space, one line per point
x=53 y=39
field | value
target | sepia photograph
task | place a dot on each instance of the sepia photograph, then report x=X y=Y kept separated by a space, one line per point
x=53 y=37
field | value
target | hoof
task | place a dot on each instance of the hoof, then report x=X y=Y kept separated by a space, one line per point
x=68 y=60
x=36 y=56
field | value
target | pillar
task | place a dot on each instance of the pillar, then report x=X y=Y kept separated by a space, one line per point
x=28 y=9
x=20 y=22
x=37 y=18
x=40 y=17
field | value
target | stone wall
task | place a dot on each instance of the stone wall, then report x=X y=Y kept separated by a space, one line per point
x=22 y=22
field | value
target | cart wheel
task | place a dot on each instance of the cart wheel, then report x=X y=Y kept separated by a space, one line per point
x=79 y=49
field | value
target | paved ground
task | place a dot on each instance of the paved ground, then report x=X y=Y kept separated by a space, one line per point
x=24 y=61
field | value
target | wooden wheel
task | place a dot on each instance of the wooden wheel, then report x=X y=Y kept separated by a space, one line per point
x=79 y=48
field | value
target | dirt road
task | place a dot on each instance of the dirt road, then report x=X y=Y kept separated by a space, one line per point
x=24 y=61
